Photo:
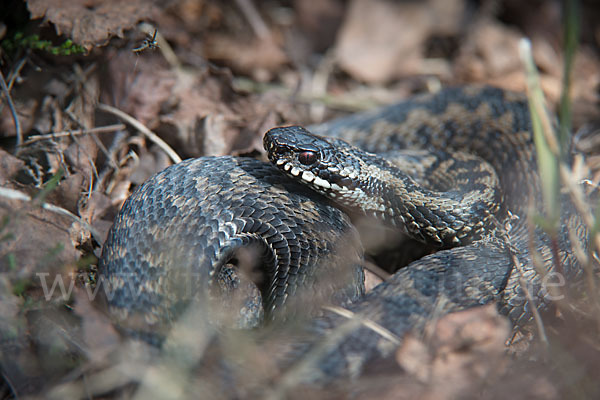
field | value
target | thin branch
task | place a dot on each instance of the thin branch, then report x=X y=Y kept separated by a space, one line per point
x=153 y=137
x=353 y=101
x=539 y=323
x=307 y=366
x=254 y=19
x=53 y=135
x=11 y=387
x=518 y=268
x=16 y=195
x=367 y=323
x=12 y=110
x=377 y=271
x=16 y=73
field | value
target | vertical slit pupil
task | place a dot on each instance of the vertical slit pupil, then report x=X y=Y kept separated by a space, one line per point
x=307 y=157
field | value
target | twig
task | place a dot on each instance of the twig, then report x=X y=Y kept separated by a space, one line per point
x=16 y=72
x=518 y=267
x=372 y=325
x=523 y=284
x=254 y=19
x=306 y=365
x=534 y=311
x=53 y=135
x=570 y=177
x=588 y=268
x=352 y=102
x=377 y=271
x=16 y=195
x=12 y=110
x=318 y=85
x=153 y=137
x=11 y=387
x=100 y=145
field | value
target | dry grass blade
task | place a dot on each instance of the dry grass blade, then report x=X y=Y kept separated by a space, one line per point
x=306 y=366
x=254 y=19
x=539 y=323
x=16 y=195
x=571 y=35
x=546 y=144
x=13 y=111
x=54 y=135
x=375 y=327
x=153 y=137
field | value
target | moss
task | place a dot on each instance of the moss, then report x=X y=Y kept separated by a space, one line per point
x=34 y=42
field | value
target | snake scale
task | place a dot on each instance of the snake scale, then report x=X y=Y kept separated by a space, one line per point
x=469 y=179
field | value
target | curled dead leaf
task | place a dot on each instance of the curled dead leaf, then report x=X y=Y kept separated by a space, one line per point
x=463 y=349
x=91 y=22
x=381 y=40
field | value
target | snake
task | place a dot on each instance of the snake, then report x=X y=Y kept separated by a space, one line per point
x=455 y=170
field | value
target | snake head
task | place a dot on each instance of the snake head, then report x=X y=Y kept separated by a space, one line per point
x=310 y=158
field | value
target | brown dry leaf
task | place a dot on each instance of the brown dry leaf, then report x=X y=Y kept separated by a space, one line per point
x=261 y=112
x=91 y=22
x=68 y=192
x=197 y=13
x=98 y=332
x=381 y=40
x=319 y=20
x=258 y=114
x=202 y=122
x=142 y=85
x=26 y=109
x=465 y=348
x=81 y=155
x=9 y=165
x=491 y=52
x=92 y=210
x=36 y=252
x=38 y=241
x=11 y=320
x=150 y=162
x=497 y=47
x=586 y=81
x=491 y=55
x=259 y=58
x=371 y=280
x=16 y=353
x=252 y=140
x=187 y=108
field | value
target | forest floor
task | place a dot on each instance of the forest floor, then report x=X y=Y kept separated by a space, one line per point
x=141 y=85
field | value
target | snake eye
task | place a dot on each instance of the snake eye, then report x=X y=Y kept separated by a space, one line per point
x=307 y=157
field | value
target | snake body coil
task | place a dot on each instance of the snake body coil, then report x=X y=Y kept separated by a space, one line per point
x=177 y=233
x=194 y=215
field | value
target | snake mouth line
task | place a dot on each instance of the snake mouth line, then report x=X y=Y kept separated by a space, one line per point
x=284 y=157
x=359 y=180
x=303 y=156
x=306 y=176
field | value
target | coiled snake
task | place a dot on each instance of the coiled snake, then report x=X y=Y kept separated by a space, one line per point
x=465 y=187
